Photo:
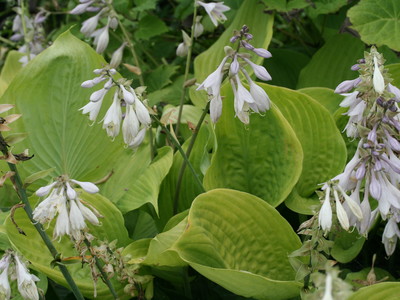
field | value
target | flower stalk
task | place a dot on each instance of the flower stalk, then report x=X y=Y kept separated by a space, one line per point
x=188 y=151
x=187 y=68
x=27 y=207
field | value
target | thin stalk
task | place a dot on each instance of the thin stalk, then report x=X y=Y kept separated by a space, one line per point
x=27 y=207
x=187 y=68
x=25 y=29
x=181 y=151
x=6 y=41
x=188 y=151
x=100 y=268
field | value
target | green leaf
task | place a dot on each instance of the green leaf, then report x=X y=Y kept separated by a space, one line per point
x=394 y=70
x=285 y=66
x=199 y=158
x=377 y=22
x=321 y=7
x=347 y=246
x=323 y=147
x=36 y=176
x=285 y=5
x=241 y=243
x=150 y=26
x=138 y=181
x=142 y=5
x=250 y=13
x=326 y=97
x=331 y=64
x=48 y=94
x=10 y=69
x=170 y=94
x=263 y=158
x=385 y=290
x=33 y=248
x=160 y=77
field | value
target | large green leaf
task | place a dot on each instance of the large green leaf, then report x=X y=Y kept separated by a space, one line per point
x=384 y=290
x=285 y=66
x=33 y=248
x=323 y=147
x=377 y=22
x=285 y=5
x=10 y=69
x=251 y=13
x=263 y=158
x=240 y=242
x=139 y=179
x=347 y=246
x=324 y=96
x=331 y=64
x=48 y=94
x=320 y=7
x=394 y=70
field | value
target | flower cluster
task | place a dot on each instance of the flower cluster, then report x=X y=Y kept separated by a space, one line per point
x=63 y=199
x=215 y=11
x=32 y=34
x=136 y=119
x=101 y=35
x=256 y=99
x=374 y=171
x=12 y=265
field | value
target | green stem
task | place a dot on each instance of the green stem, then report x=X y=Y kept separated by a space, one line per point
x=27 y=207
x=187 y=68
x=25 y=29
x=100 y=268
x=188 y=151
x=8 y=42
x=178 y=146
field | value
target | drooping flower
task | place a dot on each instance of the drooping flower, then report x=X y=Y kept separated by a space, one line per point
x=26 y=281
x=64 y=200
x=113 y=118
x=215 y=11
x=377 y=78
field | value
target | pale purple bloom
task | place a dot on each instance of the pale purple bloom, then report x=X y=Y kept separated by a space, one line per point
x=98 y=95
x=347 y=85
x=113 y=117
x=93 y=108
x=81 y=8
x=262 y=52
x=259 y=71
x=325 y=214
x=128 y=97
x=130 y=125
x=390 y=236
x=116 y=58
x=394 y=90
x=89 y=26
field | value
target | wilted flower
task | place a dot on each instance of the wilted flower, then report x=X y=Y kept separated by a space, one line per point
x=64 y=200
x=4 y=121
x=12 y=265
x=215 y=10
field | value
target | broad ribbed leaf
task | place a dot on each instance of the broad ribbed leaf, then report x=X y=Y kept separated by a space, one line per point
x=384 y=290
x=139 y=179
x=251 y=13
x=320 y=7
x=241 y=243
x=323 y=147
x=10 y=69
x=377 y=22
x=32 y=247
x=394 y=70
x=331 y=64
x=48 y=94
x=263 y=158
x=325 y=97
x=285 y=5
